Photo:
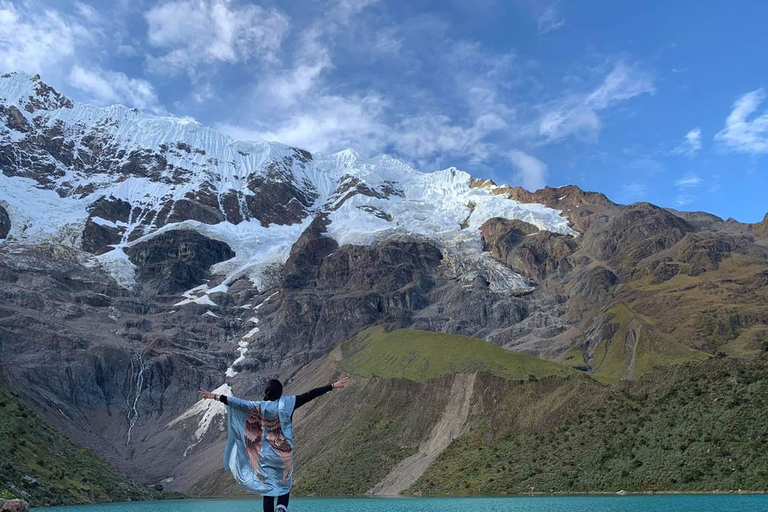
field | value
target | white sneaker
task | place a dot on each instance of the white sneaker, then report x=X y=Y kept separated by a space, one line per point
x=281 y=508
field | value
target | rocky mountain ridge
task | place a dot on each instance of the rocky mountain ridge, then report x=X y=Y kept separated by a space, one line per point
x=144 y=258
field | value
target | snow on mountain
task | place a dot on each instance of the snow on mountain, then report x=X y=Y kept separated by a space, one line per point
x=108 y=178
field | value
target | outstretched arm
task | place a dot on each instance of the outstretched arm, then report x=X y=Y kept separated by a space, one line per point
x=300 y=399
x=232 y=400
x=210 y=395
x=307 y=397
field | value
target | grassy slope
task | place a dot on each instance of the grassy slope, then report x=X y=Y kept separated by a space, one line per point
x=695 y=427
x=375 y=438
x=64 y=472
x=423 y=355
x=654 y=349
x=386 y=416
x=719 y=310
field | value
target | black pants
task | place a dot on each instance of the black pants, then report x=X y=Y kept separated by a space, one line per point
x=269 y=502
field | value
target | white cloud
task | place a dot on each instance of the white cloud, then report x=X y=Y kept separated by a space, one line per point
x=387 y=42
x=431 y=138
x=561 y=122
x=633 y=191
x=577 y=114
x=684 y=199
x=332 y=123
x=295 y=104
x=127 y=50
x=87 y=12
x=531 y=172
x=108 y=87
x=622 y=83
x=479 y=77
x=690 y=180
x=197 y=32
x=744 y=133
x=285 y=89
x=685 y=186
x=34 y=41
x=471 y=115
x=550 y=20
x=691 y=144
x=344 y=10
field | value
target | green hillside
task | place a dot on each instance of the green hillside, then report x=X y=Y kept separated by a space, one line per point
x=46 y=468
x=693 y=427
x=423 y=355
x=635 y=348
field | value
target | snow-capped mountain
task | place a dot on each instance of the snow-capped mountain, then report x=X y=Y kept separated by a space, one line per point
x=104 y=179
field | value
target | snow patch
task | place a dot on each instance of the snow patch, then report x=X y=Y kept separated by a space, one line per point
x=116 y=262
x=208 y=410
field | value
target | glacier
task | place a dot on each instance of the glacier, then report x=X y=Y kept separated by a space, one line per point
x=365 y=199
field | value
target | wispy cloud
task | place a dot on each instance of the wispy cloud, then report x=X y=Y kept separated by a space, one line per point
x=36 y=40
x=577 y=113
x=633 y=191
x=191 y=33
x=304 y=86
x=530 y=171
x=329 y=124
x=304 y=104
x=551 y=19
x=108 y=87
x=685 y=187
x=690 y=180
x=691 y=144
x=743 y=132
x=56 y=44
x=296 y=104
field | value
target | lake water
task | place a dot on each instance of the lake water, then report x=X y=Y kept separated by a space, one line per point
x=708 y=503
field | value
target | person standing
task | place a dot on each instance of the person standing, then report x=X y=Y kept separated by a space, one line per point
x=259 y=450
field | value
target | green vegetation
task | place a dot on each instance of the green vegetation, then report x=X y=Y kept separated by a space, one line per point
x=368 y=448
x=411 y=381
x=693 y=427
x=719 y=310
x=46 y=468
x=750 y=342
x=423 y=355
x=634 y=337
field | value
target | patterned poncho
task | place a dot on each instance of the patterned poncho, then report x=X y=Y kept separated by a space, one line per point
x=259 y=449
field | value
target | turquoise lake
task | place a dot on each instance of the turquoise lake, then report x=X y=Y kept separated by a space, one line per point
x=709 y=503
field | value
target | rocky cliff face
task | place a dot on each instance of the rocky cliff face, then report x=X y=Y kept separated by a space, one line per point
x=5 y=223
x=176 y=261
x=170 y=257
x=761 y=228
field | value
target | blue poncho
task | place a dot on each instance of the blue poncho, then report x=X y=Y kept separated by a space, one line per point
x=259 y=449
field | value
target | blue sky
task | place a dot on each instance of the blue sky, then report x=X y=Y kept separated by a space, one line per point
x=654 y=101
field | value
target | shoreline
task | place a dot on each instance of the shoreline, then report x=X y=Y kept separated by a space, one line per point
x=431 y=497
x=517 y=495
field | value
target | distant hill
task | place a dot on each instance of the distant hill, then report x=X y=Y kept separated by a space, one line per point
x=424 y=355
x=695 y=427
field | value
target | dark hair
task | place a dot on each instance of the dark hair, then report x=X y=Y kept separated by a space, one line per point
x=273 y=390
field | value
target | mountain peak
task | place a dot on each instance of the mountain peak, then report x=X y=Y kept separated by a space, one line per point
x=347 y=154
x=30 y=93
x=113 y=177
